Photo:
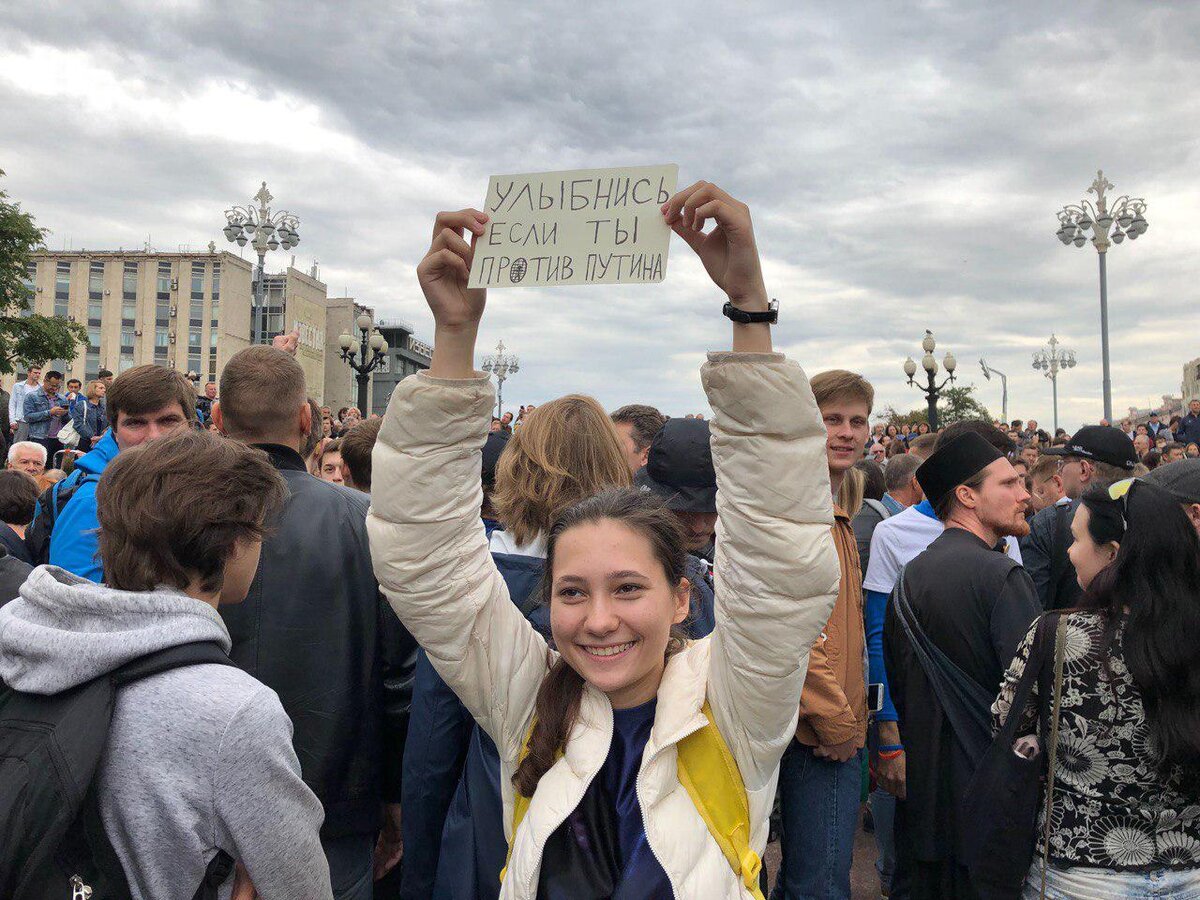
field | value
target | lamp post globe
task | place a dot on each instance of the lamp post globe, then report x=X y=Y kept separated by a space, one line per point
x=364 y=359
x=266 y=230
x=1127 y=214
x=929 y=363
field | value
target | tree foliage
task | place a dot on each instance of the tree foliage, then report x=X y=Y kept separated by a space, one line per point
x=957 y=404
x=25 y=337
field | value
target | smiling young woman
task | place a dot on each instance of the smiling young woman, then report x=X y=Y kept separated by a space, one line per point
x=588 y=727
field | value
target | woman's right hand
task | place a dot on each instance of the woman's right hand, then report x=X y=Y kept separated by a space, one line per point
x=457 y=309
x=444 y=271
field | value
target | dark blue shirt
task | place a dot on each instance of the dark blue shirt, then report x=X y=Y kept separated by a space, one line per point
x=642 y=876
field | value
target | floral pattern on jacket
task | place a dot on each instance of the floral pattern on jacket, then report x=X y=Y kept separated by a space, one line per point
x=1112 y=808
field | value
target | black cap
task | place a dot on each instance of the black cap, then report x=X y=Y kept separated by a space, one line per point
x=492 y=448
x=1101 y=443
x=679 y=467
x=954 y=462
x=1180 y=478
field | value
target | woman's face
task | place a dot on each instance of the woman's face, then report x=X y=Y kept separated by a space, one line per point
x=891 y=431
x=352 y=418
x=1193 y=450
x=1088 y=557
x=612 y=608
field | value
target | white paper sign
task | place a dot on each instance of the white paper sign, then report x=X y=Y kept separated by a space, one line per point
x=590 y=226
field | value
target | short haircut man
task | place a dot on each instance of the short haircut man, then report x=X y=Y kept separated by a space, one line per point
x=1047 y=484
x=1182 y=480
x=145 y=403
x=28 y=456
x=637 y=424
x=1094 y=455
x=900 y=479
x=922 y=446
x=1173 y=452
x=18 y=497
x=314 y=626
x=356 y=454
x=831 y=728
x=985 y=430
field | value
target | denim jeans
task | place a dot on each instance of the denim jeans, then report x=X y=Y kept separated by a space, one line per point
x=1105 y=884
x=819 y=802
x=883 y=814
x=350 y=866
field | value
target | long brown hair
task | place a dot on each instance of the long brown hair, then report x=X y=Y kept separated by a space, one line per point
x=565 y=450
x=558 y=698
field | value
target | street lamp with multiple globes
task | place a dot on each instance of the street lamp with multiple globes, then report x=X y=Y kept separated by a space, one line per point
x=367 y=362
x=501 y=365
x=265 y=230
x=988 y=372
x=1050 y=360
x=934 y=391
x=1109 y=225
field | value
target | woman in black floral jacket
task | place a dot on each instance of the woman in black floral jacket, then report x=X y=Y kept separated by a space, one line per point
x=1125 y=818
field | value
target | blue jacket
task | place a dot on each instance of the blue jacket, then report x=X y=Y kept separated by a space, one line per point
x=37 y=412
x=90 y=421
x=453 y=813
x=74 y=543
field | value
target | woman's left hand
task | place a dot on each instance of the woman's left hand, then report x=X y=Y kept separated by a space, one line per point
x=729 y=252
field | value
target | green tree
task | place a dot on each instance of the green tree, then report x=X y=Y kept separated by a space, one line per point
x=957 y=404
x=25 y=337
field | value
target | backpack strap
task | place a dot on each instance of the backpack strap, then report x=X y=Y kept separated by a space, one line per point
x=194 y=654
x=710 y=775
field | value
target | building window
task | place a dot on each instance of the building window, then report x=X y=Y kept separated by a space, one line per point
x=128 y=312
x=127 y=340
x=29 y=282
x=95 y=310
x=215 y=313
x=62 y=289
x=196 y=314
x=129 y=280
x=96 y=281
x=164 y=280
x=126 y=362
x=212 y=341
x=94 y=337
x=197 y=281
x=91 y=369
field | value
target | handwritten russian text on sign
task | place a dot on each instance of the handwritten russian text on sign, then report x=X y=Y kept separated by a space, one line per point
x=591 y=226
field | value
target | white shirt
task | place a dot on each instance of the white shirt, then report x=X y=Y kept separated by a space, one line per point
x=16 y=403
x=898 y=540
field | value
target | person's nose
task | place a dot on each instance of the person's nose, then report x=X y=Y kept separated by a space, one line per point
x=602 y=618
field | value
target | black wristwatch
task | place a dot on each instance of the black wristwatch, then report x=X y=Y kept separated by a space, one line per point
x=742 y=317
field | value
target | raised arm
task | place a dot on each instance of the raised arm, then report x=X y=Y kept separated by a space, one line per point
x=427 y=540
x=776 y=568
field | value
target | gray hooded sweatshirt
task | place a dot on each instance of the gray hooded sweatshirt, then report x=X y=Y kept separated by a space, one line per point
x=198 y=758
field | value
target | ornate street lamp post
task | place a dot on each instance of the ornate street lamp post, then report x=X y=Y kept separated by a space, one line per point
x=266 y=230
x=501 y=365
x=1050 y=360
x=934 y=391
x=988 y=372
x=1109 y=225
x=371 y=352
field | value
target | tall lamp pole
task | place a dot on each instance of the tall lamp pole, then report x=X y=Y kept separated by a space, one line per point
x=268 y=231
x=934 y=390
x=501 y=365
x=371 y=352
x=1050 y=360
x=988 y=372
x=1109 y=225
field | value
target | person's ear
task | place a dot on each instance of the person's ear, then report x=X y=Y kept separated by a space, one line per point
x=965 y=496
x=1193 y=514
x=917 y=490
x=683 y=601
x=305 y=422
x=644 y=459
x=218 y=418
x=1112 y=548
x=346 y=475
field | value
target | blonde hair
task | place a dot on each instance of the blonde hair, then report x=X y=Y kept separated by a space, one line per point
x=566 y=451
x=838 y=384
x=850 y=494
x=91 y=389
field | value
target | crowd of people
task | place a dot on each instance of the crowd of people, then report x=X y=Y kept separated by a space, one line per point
x=574 y=653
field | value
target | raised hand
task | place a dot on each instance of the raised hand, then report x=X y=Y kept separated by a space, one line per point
x=728 y=252
x=288 y=343
x=443 y=276
x=444 y=271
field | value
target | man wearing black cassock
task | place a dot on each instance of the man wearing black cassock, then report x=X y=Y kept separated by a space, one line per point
x=973 y=603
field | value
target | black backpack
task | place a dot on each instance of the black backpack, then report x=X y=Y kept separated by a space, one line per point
x=50 y=505
x=52 y=842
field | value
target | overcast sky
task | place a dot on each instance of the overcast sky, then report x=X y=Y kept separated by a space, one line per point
x=903 y=163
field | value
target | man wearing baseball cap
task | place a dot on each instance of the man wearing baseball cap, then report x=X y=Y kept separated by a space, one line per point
x=679 y=469
x=1095 y=454
x=1182 y=480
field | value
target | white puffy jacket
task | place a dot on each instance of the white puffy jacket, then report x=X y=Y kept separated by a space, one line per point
x=776 y=577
